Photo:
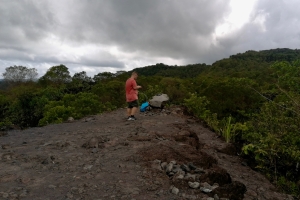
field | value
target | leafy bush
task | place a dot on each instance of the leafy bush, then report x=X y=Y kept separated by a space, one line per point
x=27 y=108
x=274 y=142
x=57 y=114
x=5 y=124
x=230 y=129
x=112 y=91
x=83 y=104
x=230 y=96
x=76 y=106
x=288 y=186
x=226 y=127
x=175 y=89
x=197 y=106
x=4 y=105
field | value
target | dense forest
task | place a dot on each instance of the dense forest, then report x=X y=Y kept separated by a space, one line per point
x=251 y=99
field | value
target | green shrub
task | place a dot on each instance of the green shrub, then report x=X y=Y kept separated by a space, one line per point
x=288 y=186
x=57 y=114
x=4 y=106
x=113 y=91
x=197 y=106
x=230 y=129
x=273 y=141
x=76 y=106
x=27 y=109
x=5 y=124
x=175 y=89
x=83 y=104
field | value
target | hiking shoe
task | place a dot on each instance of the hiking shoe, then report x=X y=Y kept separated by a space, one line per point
x=131 y=118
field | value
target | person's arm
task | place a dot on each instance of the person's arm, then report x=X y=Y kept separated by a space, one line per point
x=137 y=87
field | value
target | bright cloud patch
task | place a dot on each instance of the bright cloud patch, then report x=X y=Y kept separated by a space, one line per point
x=238 y=16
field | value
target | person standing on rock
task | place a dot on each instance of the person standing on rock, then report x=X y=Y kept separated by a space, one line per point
x=131 y=88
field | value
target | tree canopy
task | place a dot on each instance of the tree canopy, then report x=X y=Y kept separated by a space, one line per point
x=57 y=74
x=18 y=74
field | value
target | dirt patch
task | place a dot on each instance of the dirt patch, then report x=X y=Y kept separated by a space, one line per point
x=162 y=155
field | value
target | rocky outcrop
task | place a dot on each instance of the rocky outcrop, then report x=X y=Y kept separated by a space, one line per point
x=215 y=182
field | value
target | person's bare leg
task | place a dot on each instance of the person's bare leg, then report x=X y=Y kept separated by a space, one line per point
x=133 y=110
x=129 y=112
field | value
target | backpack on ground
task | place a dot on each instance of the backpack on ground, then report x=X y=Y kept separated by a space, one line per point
x=144 y=107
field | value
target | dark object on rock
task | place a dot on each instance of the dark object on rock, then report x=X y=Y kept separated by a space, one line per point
x=216 y=175
x=230 y=149
x=233 y=191
x=185 y=168
x=192 y=166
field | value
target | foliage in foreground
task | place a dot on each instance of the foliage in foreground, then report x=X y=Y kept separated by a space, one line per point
x=76 y=106
x=269 y=129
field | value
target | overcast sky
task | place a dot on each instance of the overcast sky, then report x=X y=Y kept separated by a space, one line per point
x=112 y=35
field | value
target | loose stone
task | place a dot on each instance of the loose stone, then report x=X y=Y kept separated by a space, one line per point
x=185 y=168
x=175 y=190
x=194 y=185
x=205 y=190
x=164 y=165
x=169 y=167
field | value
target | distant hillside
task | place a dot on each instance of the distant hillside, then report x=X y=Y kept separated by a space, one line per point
x=272 y=55
x=249 y=64
x=252 y=64
x=161 y=69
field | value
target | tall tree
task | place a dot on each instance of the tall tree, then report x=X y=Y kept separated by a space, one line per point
x=17 y=74
x=57 y=74
x=102 y=76
x=80 y=82
x=82 y=76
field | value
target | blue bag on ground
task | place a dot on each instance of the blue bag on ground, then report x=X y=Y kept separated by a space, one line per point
x=144 y=107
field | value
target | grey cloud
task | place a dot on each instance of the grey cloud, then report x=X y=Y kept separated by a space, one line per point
x=23 y=21
x=156 y=27
x=102 y=63
x=84 y=61
x=280 y=28
x=19 y=56
x=143 y=29
x=280 y=15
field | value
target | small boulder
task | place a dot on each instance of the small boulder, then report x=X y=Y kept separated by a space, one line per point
x=158 y=100
x=70 y=119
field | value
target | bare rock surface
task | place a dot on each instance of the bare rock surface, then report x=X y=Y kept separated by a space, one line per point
x=162 y=155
